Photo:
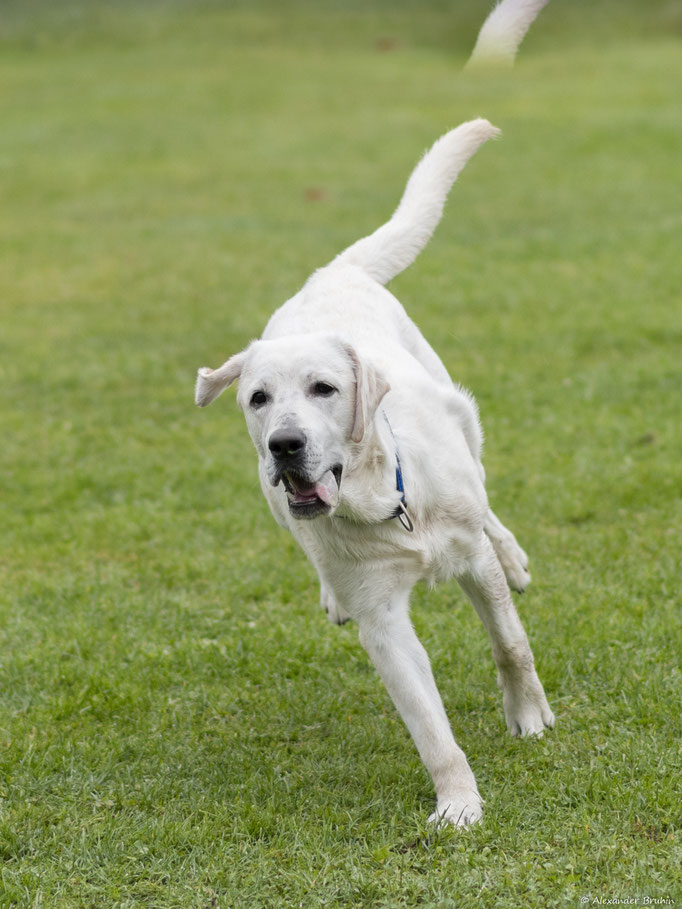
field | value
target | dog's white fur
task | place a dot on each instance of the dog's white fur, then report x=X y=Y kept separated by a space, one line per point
x=391 y=394
x=503 y=31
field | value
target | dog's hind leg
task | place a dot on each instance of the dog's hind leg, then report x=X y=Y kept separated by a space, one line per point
x=514 y=561
x=512 y=558
x=390 y=640
x=525 y=706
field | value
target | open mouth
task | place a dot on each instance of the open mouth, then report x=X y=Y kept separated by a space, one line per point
x=309 y=499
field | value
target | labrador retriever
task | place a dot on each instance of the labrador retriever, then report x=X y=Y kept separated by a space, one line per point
x=371 y=456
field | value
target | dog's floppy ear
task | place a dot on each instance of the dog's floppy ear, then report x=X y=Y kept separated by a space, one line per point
x=370 y=388
x=212 y=382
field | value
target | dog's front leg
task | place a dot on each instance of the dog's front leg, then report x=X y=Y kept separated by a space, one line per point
x=390 y=640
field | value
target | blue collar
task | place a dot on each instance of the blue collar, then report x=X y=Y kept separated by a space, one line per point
x=401 y=511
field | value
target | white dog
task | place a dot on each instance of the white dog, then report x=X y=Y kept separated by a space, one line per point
x=371 y=457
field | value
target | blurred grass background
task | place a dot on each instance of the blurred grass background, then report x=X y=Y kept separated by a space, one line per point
x=180 y=727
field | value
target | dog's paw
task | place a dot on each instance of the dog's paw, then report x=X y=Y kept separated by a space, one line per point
x=335 y=614
x=512 y=558
x=525 y=707
x=516 y=573
x=461 y=808
x=514 y=562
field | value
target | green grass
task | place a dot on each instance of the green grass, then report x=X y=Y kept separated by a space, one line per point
x=180 y=727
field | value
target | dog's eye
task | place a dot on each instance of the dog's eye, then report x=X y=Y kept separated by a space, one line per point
x=258 y=398
x=323 y=389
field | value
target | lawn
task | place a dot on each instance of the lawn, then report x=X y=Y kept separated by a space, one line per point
x=179 y=724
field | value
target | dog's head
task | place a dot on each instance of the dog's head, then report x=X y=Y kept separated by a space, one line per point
x=308 y=399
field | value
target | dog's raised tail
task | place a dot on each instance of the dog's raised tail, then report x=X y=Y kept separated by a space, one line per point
x=396 y=244
x=503 y=31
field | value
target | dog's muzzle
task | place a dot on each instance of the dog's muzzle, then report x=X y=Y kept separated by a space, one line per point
x=308 y=495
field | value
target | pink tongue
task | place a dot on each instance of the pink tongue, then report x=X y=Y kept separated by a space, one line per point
x=327 y=489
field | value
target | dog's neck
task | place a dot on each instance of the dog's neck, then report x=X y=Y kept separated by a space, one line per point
x=369 y=493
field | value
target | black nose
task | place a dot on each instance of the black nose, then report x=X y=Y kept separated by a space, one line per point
x=286 y=443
